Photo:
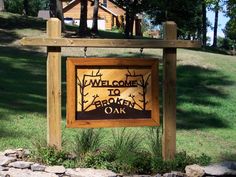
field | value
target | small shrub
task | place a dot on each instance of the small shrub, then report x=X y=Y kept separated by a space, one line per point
x=89 y=140
x=182 y=159
x=50 y=155
x=154 y=141
x=98 y=160
x=124 y=149
x=142 y=163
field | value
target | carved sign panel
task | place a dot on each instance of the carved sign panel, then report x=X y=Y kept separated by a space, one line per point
x=112 y=92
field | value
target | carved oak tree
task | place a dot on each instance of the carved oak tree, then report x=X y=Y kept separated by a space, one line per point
x=83 y=84
x=143 y=83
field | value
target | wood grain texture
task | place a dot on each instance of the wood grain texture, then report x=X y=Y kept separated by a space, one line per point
x=54 y=87
x=110 y=43
x=169 y=94
x=152 y=64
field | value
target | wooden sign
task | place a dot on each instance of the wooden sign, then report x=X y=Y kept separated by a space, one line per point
x=112 y=92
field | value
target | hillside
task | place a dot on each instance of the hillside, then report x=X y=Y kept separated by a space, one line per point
x=206 y=92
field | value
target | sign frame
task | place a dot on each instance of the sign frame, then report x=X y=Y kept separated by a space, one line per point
x=72 y=63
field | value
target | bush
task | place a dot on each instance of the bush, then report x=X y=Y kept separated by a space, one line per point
x=179 y=163
x=97 y=160
x=123 y=155
x=50 y=155
x=125 y=149
x=89 y=140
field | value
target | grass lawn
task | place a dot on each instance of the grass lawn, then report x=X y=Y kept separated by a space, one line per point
x=206 y=93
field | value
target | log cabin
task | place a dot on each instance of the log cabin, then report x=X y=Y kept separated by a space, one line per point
x=110 y=14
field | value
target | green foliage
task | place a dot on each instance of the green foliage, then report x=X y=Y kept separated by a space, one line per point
x=179 y=163
x=88 y=140
x=225 y=43
x=186 y=14
x=51 y=156
x=230 y=29
x=100 y=159
x=154 y=143
x=124 y=149
x=17 y=6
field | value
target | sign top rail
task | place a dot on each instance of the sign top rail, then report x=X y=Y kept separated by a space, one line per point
x=108 y=43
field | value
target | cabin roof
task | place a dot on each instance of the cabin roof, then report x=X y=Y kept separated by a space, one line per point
x=74 y=2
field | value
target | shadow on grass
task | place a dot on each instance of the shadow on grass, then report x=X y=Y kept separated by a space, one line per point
x=13 y=21
x=200 y=90
x=22 y=81
x=7 y=37
x=227 y=156
x=210 y=49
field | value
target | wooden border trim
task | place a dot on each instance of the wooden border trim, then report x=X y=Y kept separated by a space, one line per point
x=71 y=90
x=110 y=43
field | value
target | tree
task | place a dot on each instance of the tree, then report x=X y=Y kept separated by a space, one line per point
x=2 y=6
x=83 y=28
x=216 y=9
x=230 y=28
x=132 y=8
x=204 y=23
x=26 y=7
x=143 y=83
x=56 y=11
x=95 y=17
x=83 y=83
x=186 y=13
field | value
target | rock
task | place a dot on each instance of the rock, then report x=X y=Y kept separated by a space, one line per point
x=19 y=154
x=26 y=152
x=157 y=175
x=9 y=151
x=20 y=149
x=178 y=174
x=137 y=176
x=13 y=172
x=72 y=173
x=174 y=174
x=20 y=164
x=55 y=169
x=43 y=174
x=37 y=167
x=89 y=172
x=4 y=160
x=4 y=168
x=194 y=171
x=221 y=169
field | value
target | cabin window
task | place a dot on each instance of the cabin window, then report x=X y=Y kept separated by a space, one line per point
x=104 y=3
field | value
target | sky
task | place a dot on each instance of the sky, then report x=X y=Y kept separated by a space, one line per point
x=221 y=24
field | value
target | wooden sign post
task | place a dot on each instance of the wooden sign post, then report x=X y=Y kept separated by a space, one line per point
x=54 y=42
x=54 y=86
x=169 y=94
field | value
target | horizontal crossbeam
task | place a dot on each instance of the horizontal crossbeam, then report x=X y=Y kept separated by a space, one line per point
x=110 y=43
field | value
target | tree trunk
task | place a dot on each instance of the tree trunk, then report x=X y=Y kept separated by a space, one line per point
x=204 y=24
x=127 y=24
x=56 y=11
x=132 y=18
x=2 y=7
x=83 y=29
x=216 y=24
x=95 y=17
x=26 y=7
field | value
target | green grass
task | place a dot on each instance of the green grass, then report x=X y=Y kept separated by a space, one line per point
x=206 y=93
